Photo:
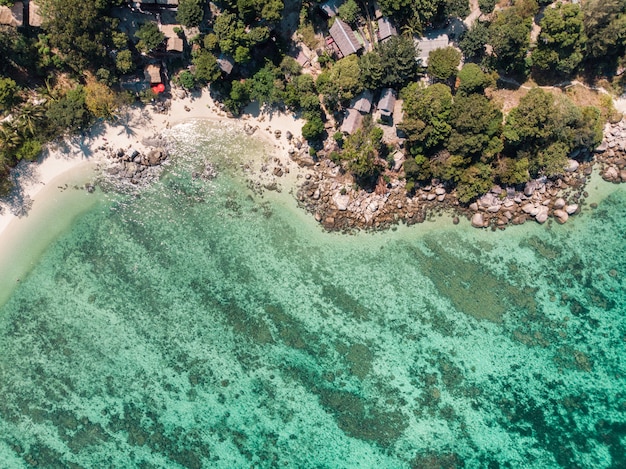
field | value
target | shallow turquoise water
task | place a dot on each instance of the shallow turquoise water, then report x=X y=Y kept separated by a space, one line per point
x=201 y=325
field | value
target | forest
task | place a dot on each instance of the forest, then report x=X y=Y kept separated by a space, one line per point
x=60 y=77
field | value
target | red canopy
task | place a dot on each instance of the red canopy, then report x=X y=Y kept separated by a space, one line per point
x=160 y=88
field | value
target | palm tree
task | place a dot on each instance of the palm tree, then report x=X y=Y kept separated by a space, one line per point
x=27 y=117
x=10 y=137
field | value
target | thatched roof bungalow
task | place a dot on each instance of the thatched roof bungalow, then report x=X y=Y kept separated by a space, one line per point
x=34 y=16
x=152 y=73
x=386 y=104
x=352 y=122
x=363 y=102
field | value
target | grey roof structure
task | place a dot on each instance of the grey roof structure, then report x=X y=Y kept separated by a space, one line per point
x=363 y=102
x=225 y=63
x=386 y=29
x=344 y=37
x=352 y=121
x=429 y=43
x=331 y=7
x=387 y=101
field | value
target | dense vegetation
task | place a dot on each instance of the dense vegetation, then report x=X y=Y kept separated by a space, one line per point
x=61 y=77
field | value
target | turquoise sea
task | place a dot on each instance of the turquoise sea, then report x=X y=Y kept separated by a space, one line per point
x=204 y=325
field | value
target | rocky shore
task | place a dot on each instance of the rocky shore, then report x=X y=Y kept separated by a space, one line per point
x=129 y=169
x=331 y=195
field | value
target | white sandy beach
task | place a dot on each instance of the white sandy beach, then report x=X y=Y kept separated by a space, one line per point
x=134 y=125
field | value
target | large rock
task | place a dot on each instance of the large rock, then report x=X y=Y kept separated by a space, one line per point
x=156 y=156
x=341 y=201
x=559 y=203
x=561 y=216
x=542 y=215
x=571 y=209
x=477 y=220
x=530 y=188
x=610 y=174
x=571 y=166
x=602 y=147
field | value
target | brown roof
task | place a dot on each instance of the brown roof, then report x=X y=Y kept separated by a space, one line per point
x=13 y=16
x=153 y=73
x=352 y=121
x=174 y=43
x=344 y=37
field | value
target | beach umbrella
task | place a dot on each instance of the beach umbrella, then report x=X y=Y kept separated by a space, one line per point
x=160 y=88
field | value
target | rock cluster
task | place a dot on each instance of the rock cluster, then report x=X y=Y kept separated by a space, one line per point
x=611 y=153
x=133 y=168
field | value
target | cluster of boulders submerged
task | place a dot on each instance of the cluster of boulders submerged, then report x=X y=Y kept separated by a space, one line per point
x=134 y=167
x=330 y=194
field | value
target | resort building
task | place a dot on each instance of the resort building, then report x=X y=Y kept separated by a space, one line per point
x=363 y=102
x=174 y=43
x=344 y=38
x=386 y=29
x=152 y=73
x=34 y=16
x=352 y=122
x=386 y=105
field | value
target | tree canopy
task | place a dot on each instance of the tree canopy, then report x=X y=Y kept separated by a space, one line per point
x=443 y=63
x=190 y=12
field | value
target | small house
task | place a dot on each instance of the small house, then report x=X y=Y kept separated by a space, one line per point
x=386 y=105
x=352 y=122
x=174 y=43
x=152 y=73
x=12 y=16
x=429 y=43
x=226 y=63
x=363 y=102
x=344 y=37
x=386 y=29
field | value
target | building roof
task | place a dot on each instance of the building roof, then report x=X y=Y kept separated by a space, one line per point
x=13 y=16
x=34 y=18
x=387 y=101
x=156 y=2
x=363 y=102
x=153 y=73
x=302 y=59
x=331 y=7
x=386 y=29
x=352 y=121
x=225 y=63
x=429 y=43
x=344 y=37
x=174 y=43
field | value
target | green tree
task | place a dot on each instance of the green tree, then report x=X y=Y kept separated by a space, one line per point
x=124 y=61
x=509 y=35
x=206 y=68
x=476 y=128
x=149 y=37
x=100 y=100
x=398 y=58
x=605 y=27
x=349 y=11
x=443 y=63
x=472 y=79
x=426 y=117
x=69 y=112
x=190 y=12
x=79 y=30
x=372 y=70
x=561 y=43
x=362 y=151
x=8 y=94
x=473 y=41
x=266 y=86
x=487 y=6
x=313 y=129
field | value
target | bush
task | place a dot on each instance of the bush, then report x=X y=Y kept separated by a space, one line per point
x=313 y=129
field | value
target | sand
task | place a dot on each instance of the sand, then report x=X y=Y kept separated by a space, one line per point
x=132 y=126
